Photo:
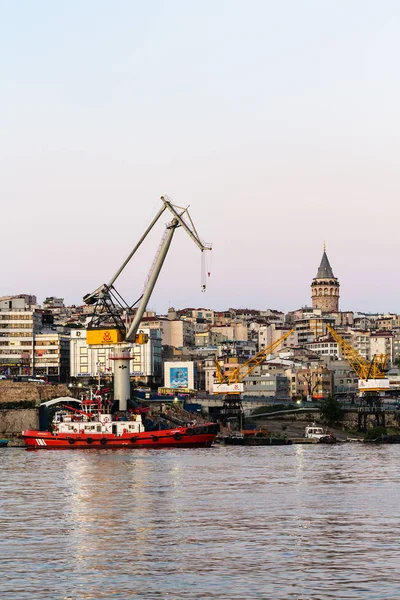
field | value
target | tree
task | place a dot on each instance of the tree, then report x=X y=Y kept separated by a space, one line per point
x=331 y=410
x=308 y=380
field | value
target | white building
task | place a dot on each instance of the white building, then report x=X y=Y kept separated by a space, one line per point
x=52 y=355
x=269 y=334
x=27 y=346
x=325 y=346
x=87 y=361
x=19 y=323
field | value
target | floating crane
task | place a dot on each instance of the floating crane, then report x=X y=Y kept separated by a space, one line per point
x=110 y=321
x=371 y=373
x=231 y=381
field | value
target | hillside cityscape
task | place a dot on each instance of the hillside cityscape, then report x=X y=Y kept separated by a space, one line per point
x=49 y=342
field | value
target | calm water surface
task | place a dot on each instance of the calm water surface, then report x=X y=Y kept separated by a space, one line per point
x=293 y=522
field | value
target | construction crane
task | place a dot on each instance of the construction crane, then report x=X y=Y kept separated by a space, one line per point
x=109 y=324
x=371 y=373
x=231 y=381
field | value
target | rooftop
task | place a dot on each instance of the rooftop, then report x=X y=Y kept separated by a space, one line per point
x=325 y=269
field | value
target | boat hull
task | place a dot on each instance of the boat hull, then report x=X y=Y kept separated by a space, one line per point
x=199 y=437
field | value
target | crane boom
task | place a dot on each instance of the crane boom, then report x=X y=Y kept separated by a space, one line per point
x=110 y=307
x=363 y=368
x=231 y=382
x=130 y=334
x=190 y=230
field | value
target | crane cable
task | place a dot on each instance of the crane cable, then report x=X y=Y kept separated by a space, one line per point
x=203 y=272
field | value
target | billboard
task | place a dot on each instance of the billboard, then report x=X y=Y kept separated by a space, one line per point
x=179 y=374
x=179 y=377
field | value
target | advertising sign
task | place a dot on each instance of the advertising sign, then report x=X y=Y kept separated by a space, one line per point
x=227 y=388
x=179 y=377
x=373 y=384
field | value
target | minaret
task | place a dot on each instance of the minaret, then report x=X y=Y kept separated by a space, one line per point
x=325 y=287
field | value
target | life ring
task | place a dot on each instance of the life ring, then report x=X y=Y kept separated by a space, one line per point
x=103 y=441
x=205 y=429
x=75 y=430
x=198 y=431
x=154 y=438
x=89 y=440
x=177 y=436
x=134 y=439
x=189 y=431
x=71 y=441
x=106 y=420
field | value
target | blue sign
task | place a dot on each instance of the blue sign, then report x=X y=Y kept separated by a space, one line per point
x=179 y=377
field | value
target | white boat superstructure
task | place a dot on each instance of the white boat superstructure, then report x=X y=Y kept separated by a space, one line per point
x=315 y=432
x=65 y=423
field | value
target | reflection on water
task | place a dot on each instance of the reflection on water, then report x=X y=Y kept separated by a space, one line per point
x=284 y=522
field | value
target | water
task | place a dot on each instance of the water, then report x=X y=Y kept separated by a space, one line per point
x=287 y=522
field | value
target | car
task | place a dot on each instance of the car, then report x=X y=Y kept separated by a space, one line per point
x=3 y=377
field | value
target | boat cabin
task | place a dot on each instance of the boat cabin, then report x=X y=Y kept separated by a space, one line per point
x=312 y=431
x=100 y=423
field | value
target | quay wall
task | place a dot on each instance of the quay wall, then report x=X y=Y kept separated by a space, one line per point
x=19 y=403
x=11 y=391
x=13 y=421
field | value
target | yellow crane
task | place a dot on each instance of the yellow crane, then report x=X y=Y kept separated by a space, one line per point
x=231 y=381
x=371 y=373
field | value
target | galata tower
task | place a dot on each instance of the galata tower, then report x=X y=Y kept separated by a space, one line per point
x=325 y=287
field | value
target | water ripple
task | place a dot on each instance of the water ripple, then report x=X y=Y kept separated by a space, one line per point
x=292 y=522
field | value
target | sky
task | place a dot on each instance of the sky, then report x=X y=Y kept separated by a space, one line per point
x=277 y=122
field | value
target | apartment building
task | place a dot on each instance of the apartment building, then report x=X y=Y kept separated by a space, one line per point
x=51 y=356
x=19 y=324
x=269 y=334
x=176 y=333
x=29 y=345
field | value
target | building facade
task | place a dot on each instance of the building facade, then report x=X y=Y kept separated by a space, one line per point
x=87 y=361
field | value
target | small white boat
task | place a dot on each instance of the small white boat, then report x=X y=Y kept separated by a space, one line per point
x=319 y=433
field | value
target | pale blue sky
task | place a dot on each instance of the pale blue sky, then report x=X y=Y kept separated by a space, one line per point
x=278 y=122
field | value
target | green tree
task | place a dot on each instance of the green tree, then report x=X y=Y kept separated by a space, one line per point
x=331 y=410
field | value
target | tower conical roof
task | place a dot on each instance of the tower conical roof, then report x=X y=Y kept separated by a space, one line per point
x=325 y=269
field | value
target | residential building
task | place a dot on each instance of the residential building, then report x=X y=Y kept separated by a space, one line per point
x=19 y=324
x=310 y=324
x=315 y=383
x=176 y=333
x=268 y=384
x=52 y=356
x=235 y=332
x=269 y=334
x=325 y=346
x=381 y=342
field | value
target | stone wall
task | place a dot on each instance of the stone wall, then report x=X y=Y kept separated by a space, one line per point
x=13 y=422
x=33 y=392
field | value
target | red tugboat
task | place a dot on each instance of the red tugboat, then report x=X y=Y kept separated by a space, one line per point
x=91 y=428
